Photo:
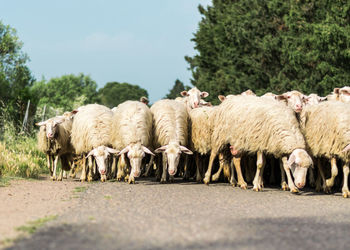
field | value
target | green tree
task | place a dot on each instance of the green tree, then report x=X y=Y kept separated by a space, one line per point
x=177 y=88
x=66 y=92
x=114 y=93
x=272 y=46
x=15 y=77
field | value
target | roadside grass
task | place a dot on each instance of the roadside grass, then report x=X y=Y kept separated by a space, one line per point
x=79 y=189
x=19 y=157
x=32 y=226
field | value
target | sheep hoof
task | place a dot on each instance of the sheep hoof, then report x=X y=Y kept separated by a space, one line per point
x=294 y=190
x=327 y=190
x=257 y=189
x=285 y=186
x=206 y=181
x=215 y=177
x=89 y=179
x=345 y=194
x=243 y=185
x=131 y=181
x=163 y=181
x=59 y=179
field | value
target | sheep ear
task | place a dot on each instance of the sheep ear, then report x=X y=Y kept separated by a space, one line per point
x=144 y=100
x=90 y=153
x=280 y=97
x=186 y=150
x=322 y=99
x=125 y=150
x=112 y=150
x=222 y=98
x=41 y=123
x=161 y=149
x=74 y=111
x=336 y=91
x=146 y=150
x=291 y=160
x=346 y=149
x=204 y=94
x=184 y=93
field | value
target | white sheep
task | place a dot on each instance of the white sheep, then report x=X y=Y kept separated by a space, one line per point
x=251 y=124
x=170 y=133
x=192 y=98
x=55 y=141
x=327 y=134
x=131 y=134
x=91 y=137
x=340 y=94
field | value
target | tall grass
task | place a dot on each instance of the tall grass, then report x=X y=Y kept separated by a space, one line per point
x=18 y=152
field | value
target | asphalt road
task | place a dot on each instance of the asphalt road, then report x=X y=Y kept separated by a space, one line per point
x=186 y=215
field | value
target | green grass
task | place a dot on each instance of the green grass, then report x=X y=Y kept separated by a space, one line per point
x=19 y=157
x=79 y=189
x=32 y=226
x=108 y=197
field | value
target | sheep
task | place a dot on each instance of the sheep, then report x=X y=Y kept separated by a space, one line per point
x=131 y=134
x=340 y=94
x=248 y=92
x=251 y=124
x=54 y=141
x=91 y=137
x=313 y=99
x=170 y=120
x=327 y=134
x=192 y=98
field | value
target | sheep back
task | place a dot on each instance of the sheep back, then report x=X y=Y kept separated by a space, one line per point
x=170 y=122
x=253 y=124
x=326 y=129
x=91 y=128
x=131 y=123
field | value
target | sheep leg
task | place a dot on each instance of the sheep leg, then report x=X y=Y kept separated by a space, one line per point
x=345 y=189
x=206 y=179
x=48 y=158
x=291 y=185
x=164 y=173
x=114 y=167
x=272 y=179
x=321 y=184
x=233 y=181
x=89 y=178
x=216 y=176
x=54 y=177
x=312 y=180
x=148 y=166
x=83 y=171
x=237 y=163
x=198 y=167
x=284 y=184
x=260 y=164
x=187 y=169
x=121 y=166
x=159 y=167
x=334 y=171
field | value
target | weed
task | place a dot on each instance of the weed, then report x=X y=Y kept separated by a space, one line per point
x=33 y=226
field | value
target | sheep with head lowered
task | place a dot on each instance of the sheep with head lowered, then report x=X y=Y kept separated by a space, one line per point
x=131 y=134
x=54 y=139
x=251 y=124
x=170 y=122
x=327 y=134
x=91 y=132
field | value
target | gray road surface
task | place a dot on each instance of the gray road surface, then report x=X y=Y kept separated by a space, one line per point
x=186 y=215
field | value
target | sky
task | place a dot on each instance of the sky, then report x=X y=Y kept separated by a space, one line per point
x=135 y=41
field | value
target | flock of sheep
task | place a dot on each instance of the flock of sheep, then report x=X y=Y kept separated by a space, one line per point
x=291 y=130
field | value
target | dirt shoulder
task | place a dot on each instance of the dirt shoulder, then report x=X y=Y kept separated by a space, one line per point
x=29 y=200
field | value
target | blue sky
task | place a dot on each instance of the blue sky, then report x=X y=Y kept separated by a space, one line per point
x=136 y=41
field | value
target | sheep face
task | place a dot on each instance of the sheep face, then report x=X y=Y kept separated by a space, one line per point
x=194 y=96
x=313 y=99
x=51 y=126
x=294 y=99
x=135 y=153
x=299 y=162
x=101 y=154
x=173 y=152
x=248 y=92
x=342 y=94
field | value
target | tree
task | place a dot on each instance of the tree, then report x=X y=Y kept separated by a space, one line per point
x=15 y=77
x=114 y=93
x=66 y=92
x=272 y=46
x=177 y=88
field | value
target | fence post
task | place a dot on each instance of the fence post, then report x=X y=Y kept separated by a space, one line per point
x=25 y=120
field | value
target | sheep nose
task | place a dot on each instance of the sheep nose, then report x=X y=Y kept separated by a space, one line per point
x=196 y=104
x=171 y=172
x=49 y=135
x=103 y=171
x=136 y=174
x=300 y=184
